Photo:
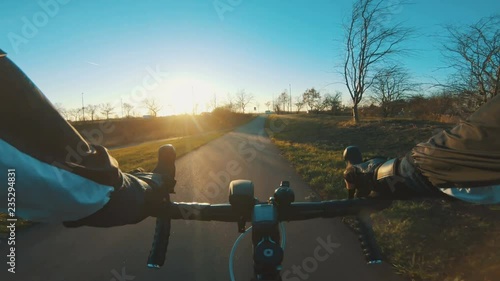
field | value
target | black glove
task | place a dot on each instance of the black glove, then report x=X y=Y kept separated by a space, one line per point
x=388 y=179
x=141 y=195
x=362 y=177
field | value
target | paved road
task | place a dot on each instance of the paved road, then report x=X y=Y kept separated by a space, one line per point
x=198 y=250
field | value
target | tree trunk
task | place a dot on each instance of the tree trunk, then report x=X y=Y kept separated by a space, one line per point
x=385 y=111
x=355 y=114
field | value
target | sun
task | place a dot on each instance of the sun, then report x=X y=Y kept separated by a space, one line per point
x=185 y=94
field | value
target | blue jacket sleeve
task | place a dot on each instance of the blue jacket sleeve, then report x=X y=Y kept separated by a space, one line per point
x=45 y=193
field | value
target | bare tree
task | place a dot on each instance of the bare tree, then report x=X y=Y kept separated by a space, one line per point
x=391 y=85
x=74 y=114
x=283 y=100
x=268 y=104
x=475 y=55
x=299 y=103
x=106 y=109
x=152 y=105
x=369 y=41
x=212 y=103
x=62 y=110
x=243 y=99
x=229 y=103
x=332 y=102
x=277 y=106
x=312 y=98
x=128 y=108
x=91 y=109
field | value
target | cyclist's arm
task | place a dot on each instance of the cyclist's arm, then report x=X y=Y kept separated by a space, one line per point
x=47 y=193
x=479 y=195
x=59 y=176
x=464 y=162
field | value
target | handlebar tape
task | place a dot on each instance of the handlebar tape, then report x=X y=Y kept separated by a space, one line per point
x=366 y=237
x=165 y=167
x=352 y=155
x=161 y=237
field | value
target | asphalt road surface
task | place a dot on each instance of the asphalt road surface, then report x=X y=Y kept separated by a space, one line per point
x=320 y=249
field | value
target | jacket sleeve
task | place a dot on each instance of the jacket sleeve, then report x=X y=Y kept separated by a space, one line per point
x=478 y=195
x=464 y=162
x=59 y=176
x=45 y=193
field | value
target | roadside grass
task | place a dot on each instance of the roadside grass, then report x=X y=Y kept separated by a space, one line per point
x=423 y=240
x=20 y=224
x=146 y=155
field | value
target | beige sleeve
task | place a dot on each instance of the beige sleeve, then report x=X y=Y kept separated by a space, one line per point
x=467 y=155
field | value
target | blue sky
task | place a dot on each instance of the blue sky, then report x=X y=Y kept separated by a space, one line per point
x=108 y=50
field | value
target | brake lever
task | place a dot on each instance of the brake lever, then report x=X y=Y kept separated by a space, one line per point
x=166 y=164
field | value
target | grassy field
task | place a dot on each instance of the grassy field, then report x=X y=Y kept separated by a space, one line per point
x=423 y=240
x=146 y=155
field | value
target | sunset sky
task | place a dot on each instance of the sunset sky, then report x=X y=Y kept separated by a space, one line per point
x=180 y=51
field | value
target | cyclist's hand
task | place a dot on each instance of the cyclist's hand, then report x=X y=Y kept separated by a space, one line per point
x=361 y=178
x=393 y=179
x=141 y=194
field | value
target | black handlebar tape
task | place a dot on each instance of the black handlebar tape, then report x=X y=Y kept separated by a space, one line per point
x=158 y=252
x=366 y=237
x=165 y=166
x=353 y=156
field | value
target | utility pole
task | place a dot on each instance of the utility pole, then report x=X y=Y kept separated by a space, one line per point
x=290 y=85
x=83 y=109
x=121 y=105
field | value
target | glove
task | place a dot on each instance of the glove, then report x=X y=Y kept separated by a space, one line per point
x=142 y=194
x=395 y=179
x=362 y=178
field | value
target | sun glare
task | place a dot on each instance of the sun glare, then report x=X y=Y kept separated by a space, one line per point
x=185 y=94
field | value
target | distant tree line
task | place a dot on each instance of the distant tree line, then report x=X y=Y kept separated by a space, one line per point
x=444 y=105
x=311 y=100
x=93 y=112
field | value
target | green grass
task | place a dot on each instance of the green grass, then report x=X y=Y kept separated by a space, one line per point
x=318 y=166
x=423 y=240
x=20 y=224
x=146 y=155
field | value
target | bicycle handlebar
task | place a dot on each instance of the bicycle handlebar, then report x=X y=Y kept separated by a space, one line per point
x=242 y=202
x=165 y=165
x=295 y=212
